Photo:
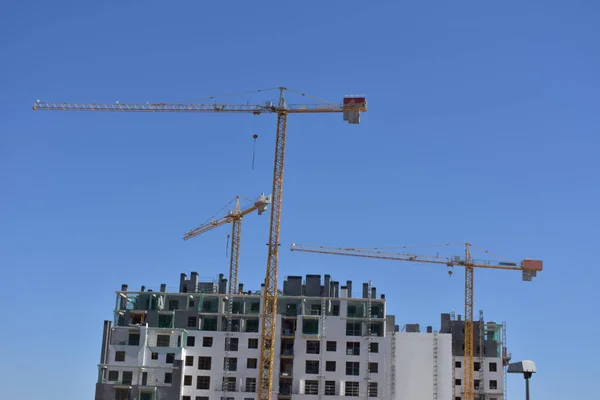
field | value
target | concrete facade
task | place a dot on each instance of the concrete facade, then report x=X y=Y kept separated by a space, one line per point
x=172 y=346
x=415 y=365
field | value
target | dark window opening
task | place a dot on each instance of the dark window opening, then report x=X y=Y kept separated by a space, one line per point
x=374 y=368
x=120 y=356
x=352 y=368
x=204 y=363
x=203 y=383
x=312 y=367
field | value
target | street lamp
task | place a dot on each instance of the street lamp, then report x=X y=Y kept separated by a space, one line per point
x=527 y=368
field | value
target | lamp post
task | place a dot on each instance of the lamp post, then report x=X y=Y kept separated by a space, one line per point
x=527 y=368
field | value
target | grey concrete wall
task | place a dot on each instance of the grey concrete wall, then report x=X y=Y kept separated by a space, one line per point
x=390 y=322
x=294 y=286
x=445 y=323
x=181 y=319
x=152 y=318
x=313 y=285
x=106 y=338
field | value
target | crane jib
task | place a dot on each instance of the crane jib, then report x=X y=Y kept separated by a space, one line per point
x=241 y=108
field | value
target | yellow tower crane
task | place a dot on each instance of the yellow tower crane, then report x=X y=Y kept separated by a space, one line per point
x=235 y=219
x=528 y=268
x=350 y=107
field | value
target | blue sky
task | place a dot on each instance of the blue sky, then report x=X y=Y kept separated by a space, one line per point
x=482 y=126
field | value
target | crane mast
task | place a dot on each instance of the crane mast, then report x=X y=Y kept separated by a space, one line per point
x=528 y=268
x=269 y=314
x=350 y=108
x=468 y=376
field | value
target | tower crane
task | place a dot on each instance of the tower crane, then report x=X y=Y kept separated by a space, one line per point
x=235 y=219
x=350 y=107
x=528 y=268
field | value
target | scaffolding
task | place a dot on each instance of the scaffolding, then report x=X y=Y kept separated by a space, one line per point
x=435 y=365
x=452 y=327
x=228 y=337
x=481 y=351
x=323 y=345
x=506 y=357
x=369 y=340
x=393 y=365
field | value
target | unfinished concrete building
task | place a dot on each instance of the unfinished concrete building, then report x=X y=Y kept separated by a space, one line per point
x=331 y=343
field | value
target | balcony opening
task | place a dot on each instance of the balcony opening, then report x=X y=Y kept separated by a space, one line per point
x=377 y=311
x=235 y=324
x=291 y=310
x=210 y=305
x=377 y=329
x=285 y=388
x=252 y=325
x=356 y=310
x=310 y=327
x=288 y=328
x=209 y=324
x=165 y=320
x=237 y=307
x=122 y=394
x=137 y=318
x=286 y=368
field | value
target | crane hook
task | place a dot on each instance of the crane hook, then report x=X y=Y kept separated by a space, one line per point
x=255 y=136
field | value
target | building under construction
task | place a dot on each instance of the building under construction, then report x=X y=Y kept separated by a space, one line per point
x=332 y=340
